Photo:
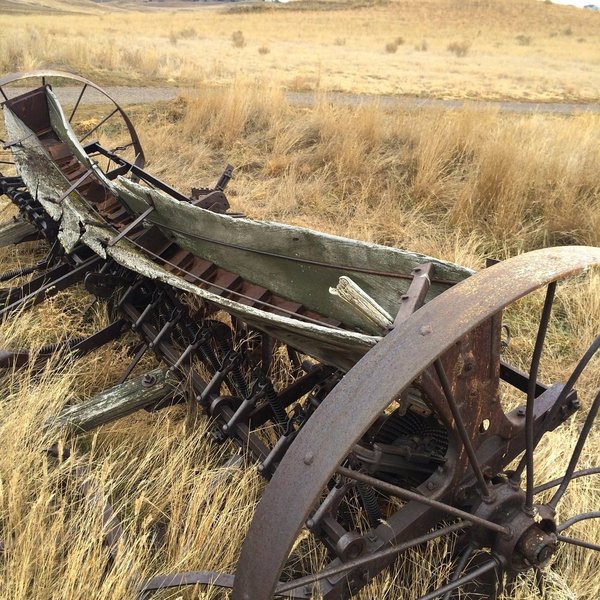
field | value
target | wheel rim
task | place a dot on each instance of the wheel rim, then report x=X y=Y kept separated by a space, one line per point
x=38 y=78
x=381 y=376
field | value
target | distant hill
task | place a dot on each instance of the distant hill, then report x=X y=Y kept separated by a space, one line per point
x=48 y=6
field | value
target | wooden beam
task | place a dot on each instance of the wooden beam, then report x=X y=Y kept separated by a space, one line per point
x=117 y=401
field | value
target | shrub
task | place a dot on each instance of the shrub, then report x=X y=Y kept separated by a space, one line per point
x=263 y=50
x=237 y=39
x=391 y=47
x=567 y=31
x=399 y=40
x=422 y=46
x=523 y=40
x=188 y=33
x=173 y=38
x=459 y=48
x=340 y=41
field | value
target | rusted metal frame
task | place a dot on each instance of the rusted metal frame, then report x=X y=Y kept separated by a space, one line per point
x=363 y=561
x=14 y=294
x=85 y=85
x=486 y=567
x=576 y=475
x=519 y=379
x=462 y=430
x=408 y=495
x=75 y=275
x=380 y=376
x=136 y=170
x=170 y=356
x=587 y=427
x=531 y=389
x=415 y=295
x=78 y=348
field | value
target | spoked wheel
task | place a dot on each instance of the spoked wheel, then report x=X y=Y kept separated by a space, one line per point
x=417 y=430
x=90 y=111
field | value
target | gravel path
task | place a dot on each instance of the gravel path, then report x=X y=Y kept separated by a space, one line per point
x=142 y=95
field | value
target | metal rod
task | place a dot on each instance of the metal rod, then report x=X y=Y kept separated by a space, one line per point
x=74 y=186
x=482 y=570
x=578 y=542
x=408 y=495
x=366 y=560
x=531 y=388
x=87 y=135
x=460 y=567
x=78 y=101
x=2 y=92
x=587 y=427
x=462 y=430
x=133 y=363
x=131 y=226
x=577 y=518
x=550 y=484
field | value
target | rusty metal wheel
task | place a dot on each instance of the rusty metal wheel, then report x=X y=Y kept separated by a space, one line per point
x=90 y=110
x=447 y=354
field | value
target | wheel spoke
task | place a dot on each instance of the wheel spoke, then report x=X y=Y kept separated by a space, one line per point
x=87 y=135
x=408 y=495
x=577 y=519
x=78 y=101
x=460 y=425
x=533 y=372
x=475 y=574
x=370 y=558
x=550 y=484
x=589 y=422
x=460 y=567
x=578 y=542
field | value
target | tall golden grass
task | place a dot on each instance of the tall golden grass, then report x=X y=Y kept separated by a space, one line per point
x=458 y=185
x=447 y=48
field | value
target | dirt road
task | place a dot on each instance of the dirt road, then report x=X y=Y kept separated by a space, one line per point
x=143 y=95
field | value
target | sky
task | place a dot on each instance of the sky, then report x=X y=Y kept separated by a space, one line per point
x=579 y=3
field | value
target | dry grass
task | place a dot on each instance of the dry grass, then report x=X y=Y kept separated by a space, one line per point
x=458 y=185
x=490 y=60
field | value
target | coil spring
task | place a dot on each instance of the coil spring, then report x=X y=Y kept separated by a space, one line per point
x=6 y=276
x=369 y=501
x=51 y=348
x=281 y=416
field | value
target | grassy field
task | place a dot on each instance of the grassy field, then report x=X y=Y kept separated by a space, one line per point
x=445 y=48
x=460 y=185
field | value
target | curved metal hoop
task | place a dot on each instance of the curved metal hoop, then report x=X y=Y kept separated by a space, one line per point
x=44 y=73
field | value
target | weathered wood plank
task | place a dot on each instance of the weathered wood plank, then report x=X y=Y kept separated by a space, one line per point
x=117 y=401
x=15 y=231
x=297 y=263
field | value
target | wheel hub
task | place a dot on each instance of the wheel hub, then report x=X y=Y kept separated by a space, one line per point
x=532 y=539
